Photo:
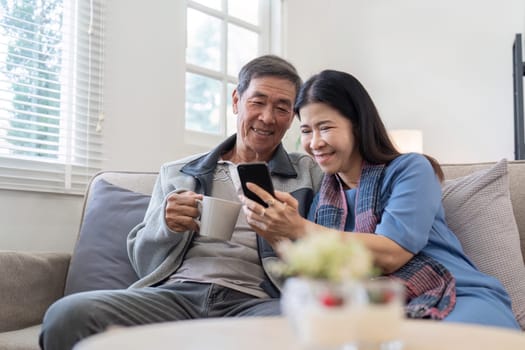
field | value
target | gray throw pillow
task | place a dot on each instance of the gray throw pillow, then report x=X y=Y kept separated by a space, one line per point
x=479 y=211
x=100 y=259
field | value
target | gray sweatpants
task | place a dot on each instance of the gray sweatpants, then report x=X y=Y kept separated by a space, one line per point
x=80 y=315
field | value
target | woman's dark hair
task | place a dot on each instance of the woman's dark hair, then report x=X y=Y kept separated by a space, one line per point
x=346 y=94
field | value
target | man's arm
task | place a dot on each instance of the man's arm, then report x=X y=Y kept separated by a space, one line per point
x=150 y=242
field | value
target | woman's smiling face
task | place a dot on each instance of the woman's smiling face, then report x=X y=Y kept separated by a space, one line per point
x=328 y=137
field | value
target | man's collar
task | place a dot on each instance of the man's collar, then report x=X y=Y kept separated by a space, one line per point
x=280 y=164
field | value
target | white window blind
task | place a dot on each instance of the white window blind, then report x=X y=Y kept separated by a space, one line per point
x=51 y=74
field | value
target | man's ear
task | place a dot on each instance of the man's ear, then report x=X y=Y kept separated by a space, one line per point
x=235 y=101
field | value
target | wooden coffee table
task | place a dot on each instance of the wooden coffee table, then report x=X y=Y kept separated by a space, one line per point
x=264 y=333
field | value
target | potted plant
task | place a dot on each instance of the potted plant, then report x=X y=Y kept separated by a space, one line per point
x=329 y=296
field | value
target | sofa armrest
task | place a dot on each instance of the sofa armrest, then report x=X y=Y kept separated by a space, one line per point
x=29 y=283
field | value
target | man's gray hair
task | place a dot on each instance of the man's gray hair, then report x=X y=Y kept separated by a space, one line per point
x=268 y=65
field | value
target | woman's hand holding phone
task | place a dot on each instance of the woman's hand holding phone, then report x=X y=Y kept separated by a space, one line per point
x=277 y=222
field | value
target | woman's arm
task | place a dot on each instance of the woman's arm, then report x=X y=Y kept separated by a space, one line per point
x=388 y=255
x=412 y=195
x=281 y=222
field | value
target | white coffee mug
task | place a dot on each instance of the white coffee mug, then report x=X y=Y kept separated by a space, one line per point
x=217 y=217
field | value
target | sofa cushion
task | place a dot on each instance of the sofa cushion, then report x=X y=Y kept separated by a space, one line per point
x=479 y=211
x=23 y=299
x=100 y=259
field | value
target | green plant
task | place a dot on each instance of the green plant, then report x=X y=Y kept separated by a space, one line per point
x=328 y=256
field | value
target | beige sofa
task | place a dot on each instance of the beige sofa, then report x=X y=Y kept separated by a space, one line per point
x=31 y=281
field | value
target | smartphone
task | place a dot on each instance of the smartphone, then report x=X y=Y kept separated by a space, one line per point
x=259 y=174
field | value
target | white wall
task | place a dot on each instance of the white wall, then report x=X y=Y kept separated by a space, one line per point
x=443 y=67
x=38 y=221
x=144 y=84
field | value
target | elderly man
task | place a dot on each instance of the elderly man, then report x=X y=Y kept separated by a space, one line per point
x=184 y=275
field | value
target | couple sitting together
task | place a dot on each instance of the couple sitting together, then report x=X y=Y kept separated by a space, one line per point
x=352 y=180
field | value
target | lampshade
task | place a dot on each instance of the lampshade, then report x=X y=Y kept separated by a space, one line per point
x=407 y=140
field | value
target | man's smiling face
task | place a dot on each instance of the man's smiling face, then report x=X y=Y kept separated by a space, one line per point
x=264 y=114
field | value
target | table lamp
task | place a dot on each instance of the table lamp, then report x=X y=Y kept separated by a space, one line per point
x=407 y=140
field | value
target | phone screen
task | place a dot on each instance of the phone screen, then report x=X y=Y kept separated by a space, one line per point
x=257 y=173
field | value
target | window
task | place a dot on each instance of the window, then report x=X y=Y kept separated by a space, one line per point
x=222 y=35
x=51 y=55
